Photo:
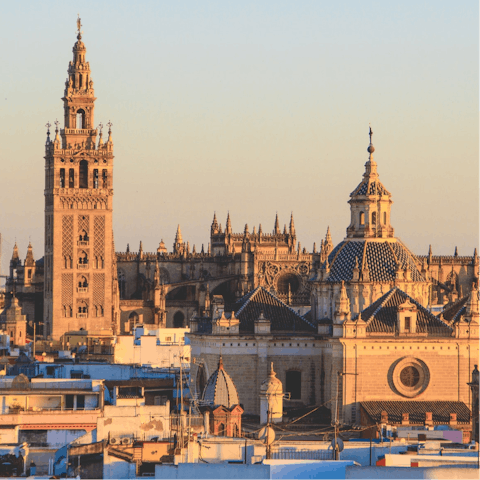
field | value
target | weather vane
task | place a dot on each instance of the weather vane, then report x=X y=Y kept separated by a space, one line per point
x=370 y=132
x=79 y=23
x=48 y=125
x=57 y=123
x=109 y=125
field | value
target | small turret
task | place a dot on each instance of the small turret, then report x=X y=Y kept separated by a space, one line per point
x=228 y=227
x=214 y=227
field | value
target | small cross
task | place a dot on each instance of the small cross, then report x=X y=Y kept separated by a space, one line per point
x=48 y=125
x=100 y=127
x=109 y=125
x=57 y=123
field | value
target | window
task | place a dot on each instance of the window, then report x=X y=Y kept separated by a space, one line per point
x=104 y=178
x=95 y=178
x=384 y=218
x=29 y=274
x=410 y=376
x=83 y=308
x=71 y=178
x=83 y=236
x=80 y=117
x=221 y=430
x=362 y=218
x=62 y=178
x=178 y=320
x=294 y=384
x=83 y=180
x=374 y=218
x=83 y=283
x=83 y=259
x=407 y=324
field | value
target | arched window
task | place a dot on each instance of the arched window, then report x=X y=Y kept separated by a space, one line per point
x=83 y=308
x=362 y=218
x=294 y=384
x=80 y=119
x=384 y=218
x=132 y=321
x=83 y=180
x=83 y=236
x=235 y=430
x=374 y=218
x=71 y=178
x=104 y=179
x=62 y=178
x=178 y=320
x=83 y=258
x=221 y=430
x=121 y=284
x=82 y=282
x=95 y=178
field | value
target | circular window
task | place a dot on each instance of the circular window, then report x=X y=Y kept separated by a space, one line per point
x=409 y=377
x=286 y=282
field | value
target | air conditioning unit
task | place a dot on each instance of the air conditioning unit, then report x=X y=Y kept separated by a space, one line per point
x=126 y=440
x=115 y=441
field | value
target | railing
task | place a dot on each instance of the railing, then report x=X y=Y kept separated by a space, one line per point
x=41 y=411
x=82 y=289
x=303 y=454
x=82 y=315
x=189 y=420
x=82 y=265
x=83 y=243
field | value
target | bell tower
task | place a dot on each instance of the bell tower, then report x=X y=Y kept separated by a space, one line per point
x=79 y=278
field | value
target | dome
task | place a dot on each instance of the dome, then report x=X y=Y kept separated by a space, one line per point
x=220 y=389
x=382 y=258
x=271 y=385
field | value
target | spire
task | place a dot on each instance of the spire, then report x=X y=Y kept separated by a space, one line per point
x=220 y=363
x=228 y=227
x=254 y=231
x=15 y=255
x=285 y=229
x=245 y=231
x=110 y=125
x=140 y=247
x=276 y=230
x=314 y=247
x=178 y=235
x=128 y=248
x=79 y=99
x=214 y=227
x=29 y=260
x=260 y=231
x=292 y=225
x=47 y=142
x=456 y=252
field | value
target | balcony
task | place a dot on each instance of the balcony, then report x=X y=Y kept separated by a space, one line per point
x=82 y=290
x=82 y=266
x=83 y=243
x=82 y=315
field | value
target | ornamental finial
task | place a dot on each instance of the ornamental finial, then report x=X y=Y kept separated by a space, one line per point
x=79 y=24
x=370 y=148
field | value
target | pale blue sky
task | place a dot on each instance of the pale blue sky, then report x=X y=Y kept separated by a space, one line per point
x=253 y=107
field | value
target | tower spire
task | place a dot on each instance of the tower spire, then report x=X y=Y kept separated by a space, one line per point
x=292 y=225
x=228 y=227
x=276 y=230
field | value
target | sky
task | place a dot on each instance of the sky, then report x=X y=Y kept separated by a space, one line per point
x=252 y=108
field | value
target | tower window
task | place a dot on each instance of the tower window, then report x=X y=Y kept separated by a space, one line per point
x=374 y=218
x=81 y=118
x=95 y=178
x=294 y=384
x=83 y=259
x=62 y=178
x=83 y=283
x=71 y=178
x=362 y=218
x=407 y=324
x=83 y=180
x=384 y=218
x=83 y=237
x=104 y=178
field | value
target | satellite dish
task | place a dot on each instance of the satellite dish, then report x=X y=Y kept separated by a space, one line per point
x=267 y=434
x=339 y=444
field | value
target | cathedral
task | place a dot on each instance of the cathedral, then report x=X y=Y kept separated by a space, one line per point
x=364 y=320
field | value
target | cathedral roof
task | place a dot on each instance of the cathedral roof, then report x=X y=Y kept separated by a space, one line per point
x=381 y=258
x=453 y=312
x=440 y=411
x=381 y=316
x=281 y=316
x=220 y=389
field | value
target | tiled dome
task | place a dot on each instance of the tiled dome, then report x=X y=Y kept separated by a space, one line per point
x=220 y=389
x=382 y=258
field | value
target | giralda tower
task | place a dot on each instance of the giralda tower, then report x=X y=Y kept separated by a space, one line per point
x=80 y=268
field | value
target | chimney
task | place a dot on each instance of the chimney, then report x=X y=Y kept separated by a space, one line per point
x=428 y=418
x=384 y=417
x=405 y=419
x=453 y=420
